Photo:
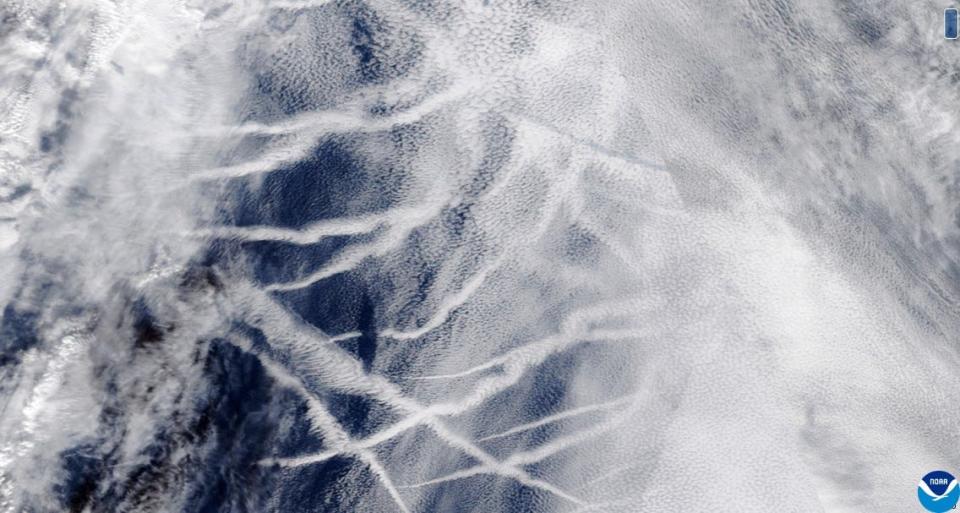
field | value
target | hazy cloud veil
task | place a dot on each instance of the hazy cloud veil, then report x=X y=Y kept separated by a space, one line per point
x=480 y=256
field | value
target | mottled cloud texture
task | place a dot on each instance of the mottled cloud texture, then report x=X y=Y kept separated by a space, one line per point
x=499 y=256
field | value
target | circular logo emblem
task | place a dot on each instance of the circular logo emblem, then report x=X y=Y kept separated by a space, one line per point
x=938 y=491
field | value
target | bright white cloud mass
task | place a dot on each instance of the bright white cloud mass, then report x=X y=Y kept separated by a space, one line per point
x=483 y=256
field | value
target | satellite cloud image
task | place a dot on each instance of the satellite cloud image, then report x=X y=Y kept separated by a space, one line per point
x=479 y=256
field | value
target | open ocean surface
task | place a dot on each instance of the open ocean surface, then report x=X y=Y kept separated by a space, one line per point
x=399 y=256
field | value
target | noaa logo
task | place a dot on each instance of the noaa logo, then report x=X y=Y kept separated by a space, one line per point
x=938 y=491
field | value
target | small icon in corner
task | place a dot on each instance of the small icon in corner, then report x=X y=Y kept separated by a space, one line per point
x=938 y=491
x=950 y=24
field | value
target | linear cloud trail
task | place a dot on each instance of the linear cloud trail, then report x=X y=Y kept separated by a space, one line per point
x=343 y=372
x=353 y=256
x=558 y=196
x=555 y=418
x=312 y=126
x=336 y=437
x=427 y=416
x=449 y=305
x=310 y=234
x=573 y=332
x=544 y=451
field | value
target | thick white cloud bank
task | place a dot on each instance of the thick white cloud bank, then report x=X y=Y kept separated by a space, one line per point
x=508 y=256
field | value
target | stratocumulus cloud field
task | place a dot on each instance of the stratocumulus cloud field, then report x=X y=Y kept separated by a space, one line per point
x=500 y=256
